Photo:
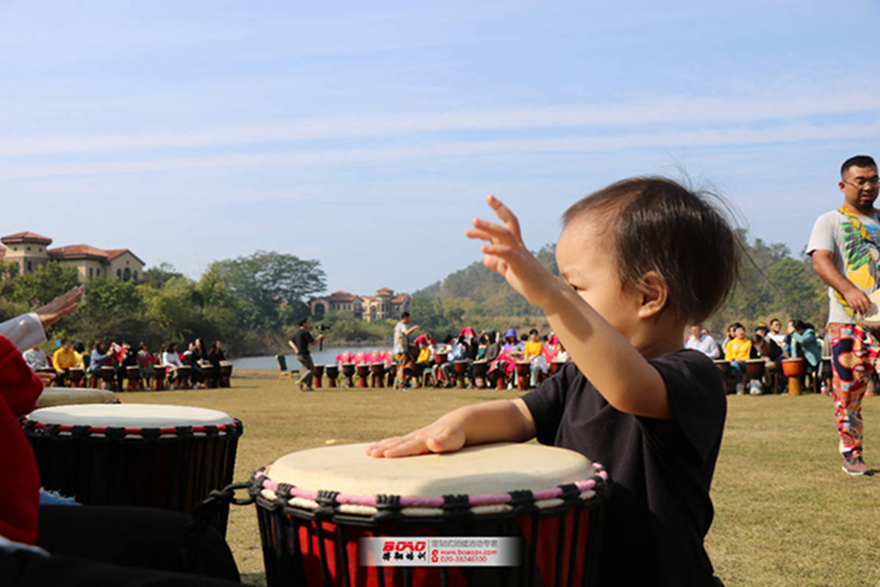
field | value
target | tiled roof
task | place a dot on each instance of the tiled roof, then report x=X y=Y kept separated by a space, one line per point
x=113 y=253
x=30 y=237
x=384 y=292
x=400 y=299
x=78 y=252
x=341 y=296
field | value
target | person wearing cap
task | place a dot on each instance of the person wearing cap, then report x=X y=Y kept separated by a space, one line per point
x=699 y=340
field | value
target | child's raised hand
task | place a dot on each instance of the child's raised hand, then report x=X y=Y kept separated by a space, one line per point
x=508 y=256
x=436 y=437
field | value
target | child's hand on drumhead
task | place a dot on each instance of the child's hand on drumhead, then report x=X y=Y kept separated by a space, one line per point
x=508 y=256
x=436 y=437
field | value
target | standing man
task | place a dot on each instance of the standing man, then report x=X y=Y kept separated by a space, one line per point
x=699 y=340
x=401 y=349
x=300 y=343
x=844 y=248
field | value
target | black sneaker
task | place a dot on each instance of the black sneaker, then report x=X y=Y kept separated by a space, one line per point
x=855 y=466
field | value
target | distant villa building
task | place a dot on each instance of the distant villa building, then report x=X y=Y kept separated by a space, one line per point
x=31 y=251
x=382 y=306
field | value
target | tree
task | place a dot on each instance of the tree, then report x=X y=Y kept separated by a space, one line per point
x=266 y=279
x=44 y=284
x=157 y=276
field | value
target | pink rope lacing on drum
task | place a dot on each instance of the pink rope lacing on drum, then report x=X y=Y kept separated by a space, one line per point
x=432 y=502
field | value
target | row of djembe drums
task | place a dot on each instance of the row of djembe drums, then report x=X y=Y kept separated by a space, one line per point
x=475 y=374
x=793 y=369
x=158 y=378
x=314 y=507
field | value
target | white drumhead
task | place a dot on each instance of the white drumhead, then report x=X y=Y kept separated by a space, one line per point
x=476 y=470
x=872 y=318
x=67 y=396
x=129 y=416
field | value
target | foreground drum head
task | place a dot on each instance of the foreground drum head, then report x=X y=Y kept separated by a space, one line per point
x=68 y=396
x=476 y=470
x=129 y=415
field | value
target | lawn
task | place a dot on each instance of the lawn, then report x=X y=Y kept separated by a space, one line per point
x=785 y=514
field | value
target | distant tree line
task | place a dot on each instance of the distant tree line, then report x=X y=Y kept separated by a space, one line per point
x=772 y=283
x=249 y=303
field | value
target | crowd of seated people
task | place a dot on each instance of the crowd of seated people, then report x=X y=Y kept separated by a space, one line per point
x=203 y=365
x=767 y=343
x=500 y=356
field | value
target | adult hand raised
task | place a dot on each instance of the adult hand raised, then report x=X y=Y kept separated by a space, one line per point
x=60 y=306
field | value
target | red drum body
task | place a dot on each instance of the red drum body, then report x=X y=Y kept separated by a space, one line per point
x=133 y=374
x=348 y=373
x=319 y=376
x=107 y=377
x=460 y=372
x=523 y=373
x=76 y=376
x=167 y=457
x=793 y=367
x=480 y=368
x=225 y=374
x=159 y=372
x=794 y=370
x=363 y=371
x=332 y=375
x=378 y=379
x=311 y=537
x=755 y=368
x=724 y=367
x=184 y=376
x=555 y=366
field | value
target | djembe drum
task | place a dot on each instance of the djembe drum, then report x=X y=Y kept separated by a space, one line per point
x=440 y=359
x=755 y=371
x=184 y=375
x=523 y=373
x=378 y=378
x=332 y=375
x=319 y=376
x=827 y=374
x=133 y=374
x=159 y=373
x=724 y=367
x=107 y=376
x=794 y=370
x=70 y=396
x=363 y=371
x=314 y=506
x=76 y=375
x=226 y=374
x=555 y=366
x=167 y=457
x=480 y=368
x=460 y=372
x=348 y=373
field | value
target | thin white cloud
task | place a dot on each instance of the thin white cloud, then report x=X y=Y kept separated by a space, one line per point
x=663 y=111
x=795 y=133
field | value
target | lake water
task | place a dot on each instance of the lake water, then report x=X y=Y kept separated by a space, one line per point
x=325 y=357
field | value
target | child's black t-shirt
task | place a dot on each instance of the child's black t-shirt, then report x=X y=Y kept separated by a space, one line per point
x=659 y=510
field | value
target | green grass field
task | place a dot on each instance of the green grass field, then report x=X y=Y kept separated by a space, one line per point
x=785 y=514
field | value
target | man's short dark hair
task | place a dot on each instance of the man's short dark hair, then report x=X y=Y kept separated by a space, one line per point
x=303 y=321
x=684 y=235
x=404 y=315
x=772 y=320
x=533 y=331
x=64 y=341
x=857 y=161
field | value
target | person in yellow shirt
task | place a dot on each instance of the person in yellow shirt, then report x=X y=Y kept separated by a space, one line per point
x=535 y=354
x=738 y=351
x=63 y=360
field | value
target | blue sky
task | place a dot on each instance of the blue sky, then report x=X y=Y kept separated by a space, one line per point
x=366 y=135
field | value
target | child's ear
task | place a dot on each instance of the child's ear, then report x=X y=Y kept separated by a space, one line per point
x=655 y=294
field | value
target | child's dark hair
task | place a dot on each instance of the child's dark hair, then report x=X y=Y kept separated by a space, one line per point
x=655 y=224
